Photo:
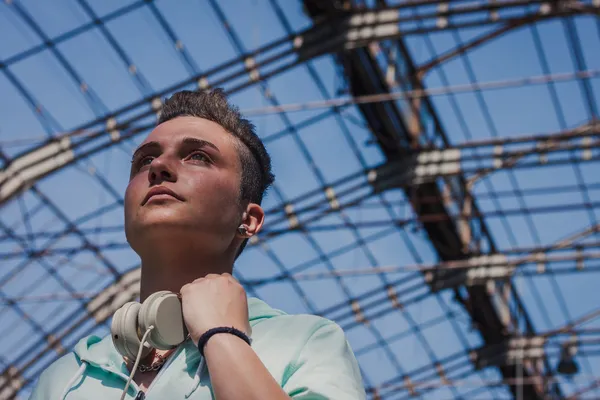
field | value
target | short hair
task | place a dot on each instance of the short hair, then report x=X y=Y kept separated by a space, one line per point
x=214 y=106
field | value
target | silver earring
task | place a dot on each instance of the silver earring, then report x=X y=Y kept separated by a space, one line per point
x=243 y=230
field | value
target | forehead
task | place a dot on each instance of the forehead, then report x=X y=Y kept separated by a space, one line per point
x=172 y=132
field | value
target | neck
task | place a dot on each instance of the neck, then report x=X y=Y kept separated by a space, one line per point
x=170 y=270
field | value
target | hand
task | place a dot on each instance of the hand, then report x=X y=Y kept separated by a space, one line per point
x=214 y=301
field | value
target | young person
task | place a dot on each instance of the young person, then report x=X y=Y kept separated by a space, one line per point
x=192 y=202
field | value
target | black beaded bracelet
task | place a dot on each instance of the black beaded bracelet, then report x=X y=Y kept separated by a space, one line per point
x=209 y=333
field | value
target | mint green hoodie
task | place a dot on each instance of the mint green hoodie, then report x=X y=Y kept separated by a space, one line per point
x=308 y=355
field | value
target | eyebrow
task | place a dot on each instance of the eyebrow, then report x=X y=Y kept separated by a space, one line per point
x=199 y=143
x=186 y=141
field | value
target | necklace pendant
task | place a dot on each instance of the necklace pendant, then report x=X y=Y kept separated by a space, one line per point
x=155 y=366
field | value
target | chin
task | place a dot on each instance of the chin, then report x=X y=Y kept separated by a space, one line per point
x=167 y=228
x=158 y=225
x=154 y=228
x=152 y=237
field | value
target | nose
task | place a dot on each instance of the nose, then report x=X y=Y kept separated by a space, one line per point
x=161 y=170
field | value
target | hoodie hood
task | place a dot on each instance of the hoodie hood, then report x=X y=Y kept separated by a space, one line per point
x=259 y=310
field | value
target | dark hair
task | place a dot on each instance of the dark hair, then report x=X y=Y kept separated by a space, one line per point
x=213 y=105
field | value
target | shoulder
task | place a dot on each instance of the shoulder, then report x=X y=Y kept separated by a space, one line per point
x=321 y=362
x=66 y=370
x=55 y=377
x=303 y=339
x=299 y=327
x=290 y=330
x=314 y=335
x=273 y=323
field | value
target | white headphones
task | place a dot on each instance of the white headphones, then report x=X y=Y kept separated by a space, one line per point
x=131 y=322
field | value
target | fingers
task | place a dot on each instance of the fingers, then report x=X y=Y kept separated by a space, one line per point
x=225 y=275
x=231 y=278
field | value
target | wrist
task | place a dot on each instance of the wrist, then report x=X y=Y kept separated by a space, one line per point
x=222 y=344
x=221 y=336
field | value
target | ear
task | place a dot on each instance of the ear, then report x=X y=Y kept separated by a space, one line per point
x=253 y=218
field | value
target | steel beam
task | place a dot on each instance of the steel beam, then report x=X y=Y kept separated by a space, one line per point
x=358 y=32
x=398 y=134
x=492 y=155
x=401 y=293
x=346 y=30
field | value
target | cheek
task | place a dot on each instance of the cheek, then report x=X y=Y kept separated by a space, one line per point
x=214 y=189
x=227 y=192
x=130 y=198
x=218 y=196
x=128 y=194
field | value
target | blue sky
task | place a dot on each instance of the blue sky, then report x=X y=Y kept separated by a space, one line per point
x=337 y=146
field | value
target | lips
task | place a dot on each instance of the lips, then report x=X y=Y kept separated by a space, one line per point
x=160 y=190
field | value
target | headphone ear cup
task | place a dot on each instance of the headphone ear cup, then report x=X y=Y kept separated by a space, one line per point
x=163 y=310
x=124 y=331
x=143 y=320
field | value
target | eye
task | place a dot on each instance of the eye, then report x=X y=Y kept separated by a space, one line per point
x=199 y=156
x=145 y=161
x=141 y=162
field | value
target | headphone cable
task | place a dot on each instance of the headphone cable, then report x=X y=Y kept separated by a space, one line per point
x=137 y=361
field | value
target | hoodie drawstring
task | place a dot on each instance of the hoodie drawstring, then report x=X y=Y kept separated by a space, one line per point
x=74 y=379
x=197 y=378
x=200 y=369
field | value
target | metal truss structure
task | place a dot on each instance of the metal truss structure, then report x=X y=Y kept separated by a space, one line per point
x=416 y=213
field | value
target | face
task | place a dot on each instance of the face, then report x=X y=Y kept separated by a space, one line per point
x=184 y=185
